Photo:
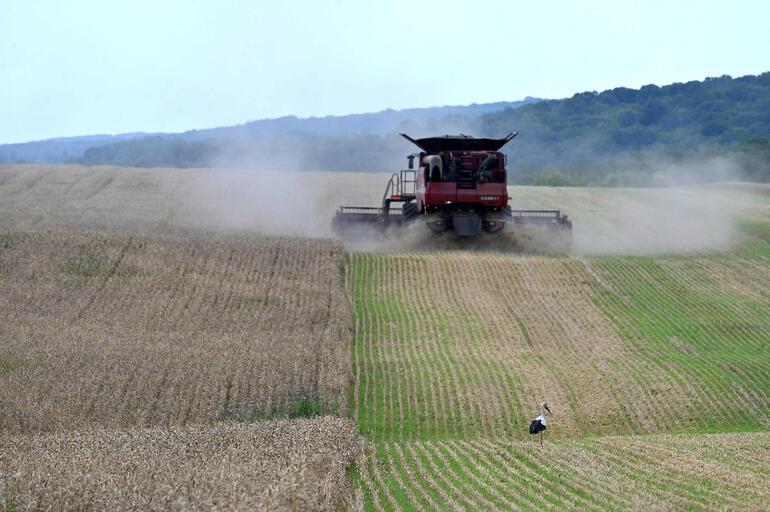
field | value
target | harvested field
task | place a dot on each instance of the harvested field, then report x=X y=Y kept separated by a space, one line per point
x=454 y=351
x=120 y=330
x=150 y=321
x=276 y=465
x=459 y=345
x=704 y=323
x=661 y=472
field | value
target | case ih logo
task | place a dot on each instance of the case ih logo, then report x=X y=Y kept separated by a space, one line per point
x=490 y=198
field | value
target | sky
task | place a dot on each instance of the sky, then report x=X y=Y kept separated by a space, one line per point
x=74 y=67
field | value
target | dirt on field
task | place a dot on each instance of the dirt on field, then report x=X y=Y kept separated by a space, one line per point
x=277 y=465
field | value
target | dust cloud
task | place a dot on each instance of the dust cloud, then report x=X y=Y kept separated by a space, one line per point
x=417 y=237
x=279 y=203
x=651 y=222
x=680 y=215
x=675 y=216
x=263 y=202
x=606 y=221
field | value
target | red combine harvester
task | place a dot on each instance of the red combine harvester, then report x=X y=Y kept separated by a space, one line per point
x=460 y=184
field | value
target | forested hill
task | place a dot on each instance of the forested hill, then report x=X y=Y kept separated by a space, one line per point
x=172 y=149
x=713 y=116
x=619 y=136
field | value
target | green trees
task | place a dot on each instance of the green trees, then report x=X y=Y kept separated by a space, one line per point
x=152 y=151
x=590 y=138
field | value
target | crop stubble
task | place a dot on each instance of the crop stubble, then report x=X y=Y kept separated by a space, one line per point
x=659 y=472
x=454 y=351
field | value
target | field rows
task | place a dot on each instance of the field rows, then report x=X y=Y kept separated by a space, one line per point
x=122 y=331
x=139 y=346
x=453 y=352
x=704 y=324
x=439 y=351
x=456 y=346
x=661 y=472
x=271 y=465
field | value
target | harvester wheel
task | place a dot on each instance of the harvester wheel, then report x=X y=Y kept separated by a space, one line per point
x=493 y=226
x=438 y=225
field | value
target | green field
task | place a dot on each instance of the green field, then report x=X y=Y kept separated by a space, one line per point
x=656 y=370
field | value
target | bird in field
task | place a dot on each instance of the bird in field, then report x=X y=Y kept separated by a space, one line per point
x=539 y=424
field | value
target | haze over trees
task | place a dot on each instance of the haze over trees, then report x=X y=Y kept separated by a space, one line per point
x=590 y=137
x=617 y=137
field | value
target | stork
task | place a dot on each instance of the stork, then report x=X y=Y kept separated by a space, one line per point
x=539 y=424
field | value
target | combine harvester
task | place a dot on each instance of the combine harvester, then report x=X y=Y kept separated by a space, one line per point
x=460 y=184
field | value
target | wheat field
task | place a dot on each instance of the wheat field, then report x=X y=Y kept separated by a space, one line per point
x=150 y=373
x=157 y=332
x=122 y=331
x=178 y=202
x=296 y=464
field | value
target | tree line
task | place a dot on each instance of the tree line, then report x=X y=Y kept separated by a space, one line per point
x=615 y=137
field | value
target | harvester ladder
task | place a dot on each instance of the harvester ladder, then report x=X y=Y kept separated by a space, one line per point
x=397 y=190
x=467 y=177
x=392 y=188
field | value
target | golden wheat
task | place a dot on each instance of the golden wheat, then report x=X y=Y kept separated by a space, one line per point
x=122 y=331
x=277 y=465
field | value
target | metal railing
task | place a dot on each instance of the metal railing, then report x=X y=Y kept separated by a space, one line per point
x=405 y=181
x=397 y=186
x=536 y=213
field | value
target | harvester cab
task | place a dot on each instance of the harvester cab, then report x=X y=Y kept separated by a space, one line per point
x=455 y=182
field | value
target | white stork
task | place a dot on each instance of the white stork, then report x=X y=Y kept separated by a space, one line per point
x=539 y=424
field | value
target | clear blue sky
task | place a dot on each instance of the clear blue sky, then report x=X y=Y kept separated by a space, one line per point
x=83 y=67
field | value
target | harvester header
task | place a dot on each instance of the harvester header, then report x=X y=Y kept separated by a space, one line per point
x=459 y=143
x=458 y=184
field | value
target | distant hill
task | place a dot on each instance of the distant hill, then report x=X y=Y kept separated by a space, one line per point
x=58 y=150
x=717 y=128
x=69 y=149
x=377 y=123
